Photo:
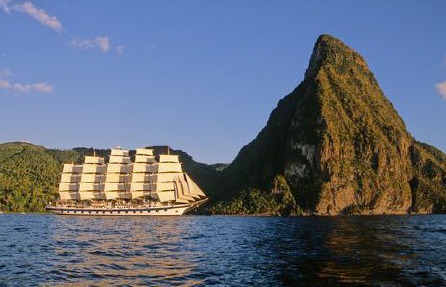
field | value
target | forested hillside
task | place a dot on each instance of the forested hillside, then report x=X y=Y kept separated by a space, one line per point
x=28 y=177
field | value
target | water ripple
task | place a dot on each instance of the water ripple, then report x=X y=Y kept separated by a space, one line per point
x=46 y=250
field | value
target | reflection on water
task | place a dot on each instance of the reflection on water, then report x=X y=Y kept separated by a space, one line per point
x=46 y=250
x=130 y=251
x=378 y=251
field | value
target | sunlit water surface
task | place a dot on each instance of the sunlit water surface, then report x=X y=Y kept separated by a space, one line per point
x=48 y=250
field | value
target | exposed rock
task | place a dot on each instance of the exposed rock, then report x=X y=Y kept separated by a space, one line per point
x=341 y=145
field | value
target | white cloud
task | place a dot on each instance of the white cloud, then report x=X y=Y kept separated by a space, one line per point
x=441 y=88
x=38 y=14
x=82 y=44
x=35 y=12
x=41 y=87
x=28 y=88
x=102 y=43
x=4 y=4
x=21 y=88
x=4 y=84
x=120 y=49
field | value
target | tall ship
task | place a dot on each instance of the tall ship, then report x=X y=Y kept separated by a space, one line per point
x=150 y=185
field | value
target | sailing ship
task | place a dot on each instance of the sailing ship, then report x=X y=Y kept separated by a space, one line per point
x=150 y=185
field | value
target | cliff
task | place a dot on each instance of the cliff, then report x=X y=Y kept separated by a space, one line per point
x=341 y=145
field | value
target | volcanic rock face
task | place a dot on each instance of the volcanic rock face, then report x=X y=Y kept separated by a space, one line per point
x=341 y=145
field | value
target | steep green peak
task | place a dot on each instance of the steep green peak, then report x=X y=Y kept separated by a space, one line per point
x=329 y=50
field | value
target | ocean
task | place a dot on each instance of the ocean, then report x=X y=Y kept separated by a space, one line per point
x=50 y=250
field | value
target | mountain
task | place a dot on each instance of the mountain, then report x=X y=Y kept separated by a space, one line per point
x=341 y=145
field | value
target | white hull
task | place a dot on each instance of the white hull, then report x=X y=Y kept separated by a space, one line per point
x=177 y=209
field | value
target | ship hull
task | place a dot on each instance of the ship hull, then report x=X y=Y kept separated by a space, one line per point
x=171 y=210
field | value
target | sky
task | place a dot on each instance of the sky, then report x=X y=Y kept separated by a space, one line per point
x=201 y=76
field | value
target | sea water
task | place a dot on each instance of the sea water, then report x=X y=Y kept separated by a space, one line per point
x=48 y=250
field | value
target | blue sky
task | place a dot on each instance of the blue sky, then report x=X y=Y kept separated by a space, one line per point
x=202 y=76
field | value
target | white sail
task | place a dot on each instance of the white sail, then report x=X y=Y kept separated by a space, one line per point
x=117 y=180
x=163 y=186
x=143 y=167
x=91 y=179
x=169 y=167
x=165 y=177
x=93 y=168
x=163 y=183
x=69 y=178
x=144 y=159
x=193 y=187
x=144 y=151
x=164 y=196
x=186 y=189
x=117 y=177
x=68 y=186
x=96 y=160
x=168 y=158
x=141 y=186
x=119 y=159
x=181 y=193
x=69 y=182
x=141 y=177
x=122 y=153
x=68 y=195
x=71 y=168
x=90 y=186
x=115 y=186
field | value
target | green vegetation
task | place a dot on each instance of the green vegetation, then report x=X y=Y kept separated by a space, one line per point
x=29 y=174
x=429 y=181
x=28 y=177
x=278 y=201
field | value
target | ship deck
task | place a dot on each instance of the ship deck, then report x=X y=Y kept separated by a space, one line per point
x=175 y=209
